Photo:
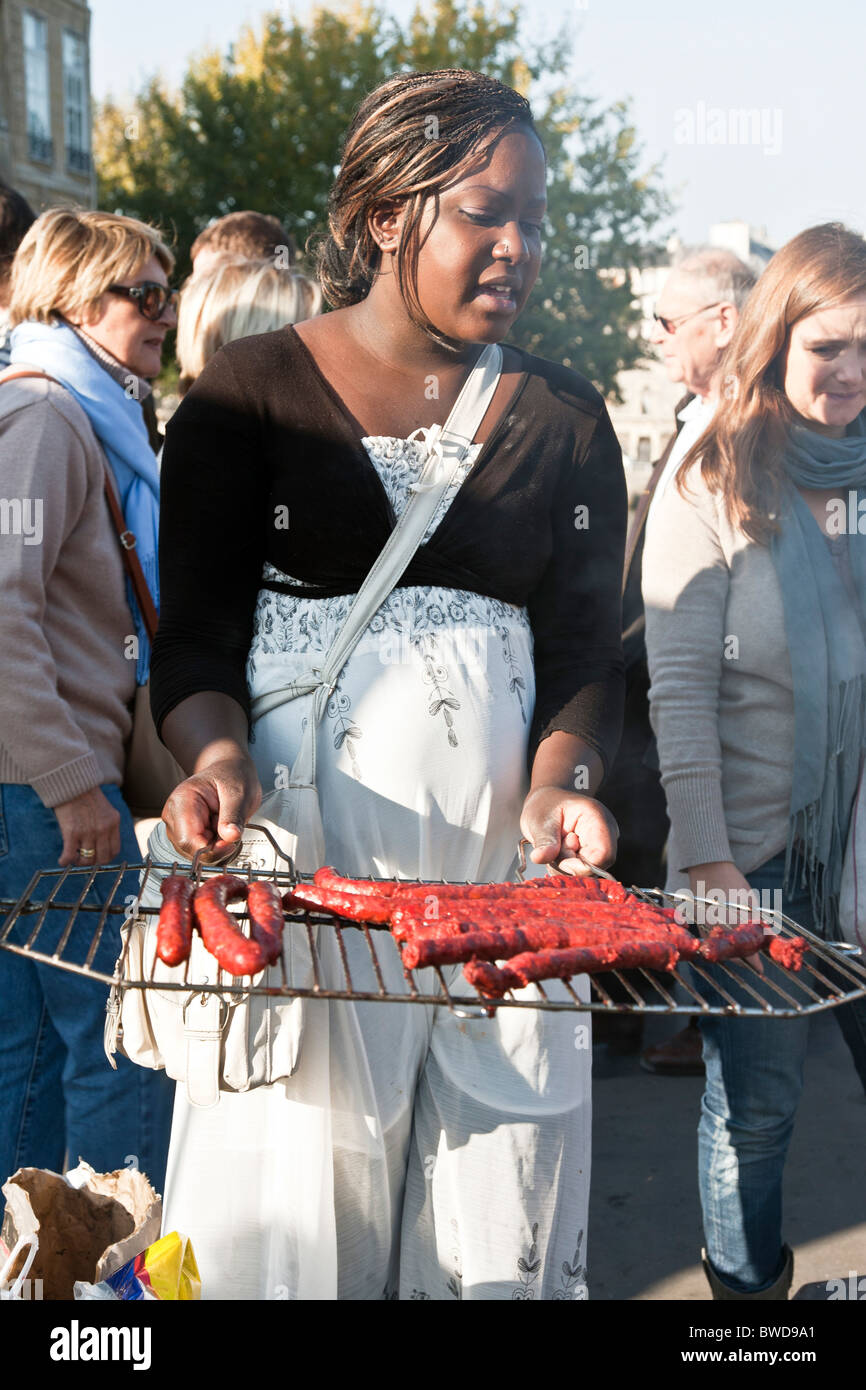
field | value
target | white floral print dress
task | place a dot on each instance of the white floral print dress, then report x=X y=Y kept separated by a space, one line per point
x=413 y=1154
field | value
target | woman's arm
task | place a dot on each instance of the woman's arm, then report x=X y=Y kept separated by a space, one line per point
x=576 y=624
x=212 y=541
x=43 y=458
x=557 y=818
x=685 y=585
x=576 y=610
x=207 y=733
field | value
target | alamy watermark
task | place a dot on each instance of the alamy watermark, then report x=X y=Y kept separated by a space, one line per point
x=713 y=907
x=852 y=1289
x=756 y=126
x=846 y=519
x=22 y=516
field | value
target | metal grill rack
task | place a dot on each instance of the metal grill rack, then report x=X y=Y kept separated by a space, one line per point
x=832 y=974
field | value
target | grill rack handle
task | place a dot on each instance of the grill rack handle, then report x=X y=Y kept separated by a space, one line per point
x=593 y=868
x=197 y=858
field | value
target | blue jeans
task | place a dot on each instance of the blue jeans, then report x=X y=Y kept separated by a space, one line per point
x=754 y=1079
x=59 y=1098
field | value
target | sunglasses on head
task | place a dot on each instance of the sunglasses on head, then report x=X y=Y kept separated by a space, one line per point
x=150 y=296
x=671 y=325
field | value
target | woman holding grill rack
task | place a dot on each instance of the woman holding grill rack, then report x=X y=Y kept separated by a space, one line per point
x=755 y=588
x=412 y=1154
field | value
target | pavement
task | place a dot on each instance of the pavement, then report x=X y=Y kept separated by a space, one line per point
x=645 y=1222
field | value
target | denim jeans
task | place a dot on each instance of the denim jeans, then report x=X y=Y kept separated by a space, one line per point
x=59 y=1097
x=754 y=1079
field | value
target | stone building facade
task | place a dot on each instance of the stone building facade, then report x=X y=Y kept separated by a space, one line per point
x=45 y=117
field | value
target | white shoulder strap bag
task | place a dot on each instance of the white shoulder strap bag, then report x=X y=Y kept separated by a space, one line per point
x=230 y=1042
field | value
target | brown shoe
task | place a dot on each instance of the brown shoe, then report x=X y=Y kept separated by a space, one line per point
x=681 y=1055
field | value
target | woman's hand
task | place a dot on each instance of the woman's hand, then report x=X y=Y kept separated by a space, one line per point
x=723 y=879
x=210 y=809
x=559 y=822
x=88 y=822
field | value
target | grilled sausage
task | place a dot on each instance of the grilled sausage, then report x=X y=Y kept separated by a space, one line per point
x=174 y=928
x=234 y=952
x=265 y=907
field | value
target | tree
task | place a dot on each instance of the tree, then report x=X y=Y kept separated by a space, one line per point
x=261 y=128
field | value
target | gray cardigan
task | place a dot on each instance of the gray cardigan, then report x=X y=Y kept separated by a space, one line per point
x=721 y=697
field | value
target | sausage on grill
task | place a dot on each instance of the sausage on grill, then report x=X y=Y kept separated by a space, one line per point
x=265 y=908
x=646 y=954
x=420 y=951
x=174 y=928
x=234 y=952
x=787 y=951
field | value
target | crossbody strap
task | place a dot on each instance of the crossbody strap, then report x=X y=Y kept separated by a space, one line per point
x=131 y=562
x=446 y=454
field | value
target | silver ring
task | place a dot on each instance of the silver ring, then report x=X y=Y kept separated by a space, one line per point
x=87 y=854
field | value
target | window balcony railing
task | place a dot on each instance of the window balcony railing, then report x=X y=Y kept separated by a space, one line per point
x=40 y=147
x=77 y=161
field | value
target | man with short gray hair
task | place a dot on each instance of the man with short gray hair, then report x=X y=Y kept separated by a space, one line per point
x=695 y=318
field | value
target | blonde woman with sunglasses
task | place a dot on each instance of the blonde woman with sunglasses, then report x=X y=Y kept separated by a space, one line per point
x=90 y=308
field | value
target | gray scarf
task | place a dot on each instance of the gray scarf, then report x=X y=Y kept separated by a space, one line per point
x=828 y=659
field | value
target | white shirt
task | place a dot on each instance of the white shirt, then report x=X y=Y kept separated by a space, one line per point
x=696 y=415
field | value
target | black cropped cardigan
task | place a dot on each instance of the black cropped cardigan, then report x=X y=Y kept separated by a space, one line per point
x=263 y=462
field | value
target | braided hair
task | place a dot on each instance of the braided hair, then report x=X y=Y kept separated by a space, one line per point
x=414 y=135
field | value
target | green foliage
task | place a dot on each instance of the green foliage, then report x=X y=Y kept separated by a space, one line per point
x=261 y=127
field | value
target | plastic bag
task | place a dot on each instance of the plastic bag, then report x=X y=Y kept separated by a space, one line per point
x=85 y=1225
x=20 y=1288
x=165 y=1271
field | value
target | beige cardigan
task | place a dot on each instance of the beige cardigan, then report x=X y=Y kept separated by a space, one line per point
x=66 y=676
x=721 y=697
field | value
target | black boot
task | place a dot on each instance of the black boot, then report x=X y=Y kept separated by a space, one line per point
x=777 y=1292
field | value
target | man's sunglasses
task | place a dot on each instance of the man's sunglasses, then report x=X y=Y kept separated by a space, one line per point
x=671 y=325
x=150 y=296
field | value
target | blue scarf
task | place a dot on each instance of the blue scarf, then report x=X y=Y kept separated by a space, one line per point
x=828 y=657
x=118 y=424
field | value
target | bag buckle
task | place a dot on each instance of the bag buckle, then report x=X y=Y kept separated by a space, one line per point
x=127 y=540
x=203 y=998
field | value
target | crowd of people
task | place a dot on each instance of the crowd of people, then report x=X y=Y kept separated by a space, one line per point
x=680 y=698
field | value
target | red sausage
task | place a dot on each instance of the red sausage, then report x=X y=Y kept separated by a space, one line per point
x=420 y=951
x=787 y=951
x=222 y=936
x=355 y=906
x=731 y=943
x=580 y=887
x=453 y=918
x=265 y=906
x=646 y=954
x=174 y=928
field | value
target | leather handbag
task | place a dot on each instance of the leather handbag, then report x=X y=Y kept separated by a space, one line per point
x=235 y=1042
x=150 y=772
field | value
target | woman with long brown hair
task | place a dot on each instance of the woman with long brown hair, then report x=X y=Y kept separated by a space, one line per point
x=756 y=634
x=410 y=1154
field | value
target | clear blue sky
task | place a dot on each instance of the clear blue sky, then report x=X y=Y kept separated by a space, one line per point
x=686 y=66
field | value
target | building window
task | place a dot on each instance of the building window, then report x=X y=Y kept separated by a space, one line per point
x=644 y=449
x=36 y=84
x=76 y=113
